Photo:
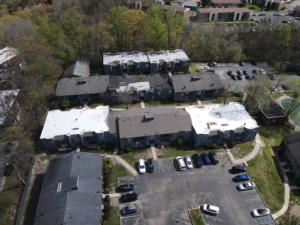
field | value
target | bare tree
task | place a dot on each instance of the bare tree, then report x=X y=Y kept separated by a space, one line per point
x=281 y=79
x=18 y=150
x=126 y=97
x=228 y=89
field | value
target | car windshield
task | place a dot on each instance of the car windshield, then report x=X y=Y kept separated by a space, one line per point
x=188 y=162
x=142 y=167
x=261 y=211
x=245 y=185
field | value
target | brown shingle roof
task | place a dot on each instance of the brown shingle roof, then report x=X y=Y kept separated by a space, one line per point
x=223 y=10
x=178 y=8
x=227 y=1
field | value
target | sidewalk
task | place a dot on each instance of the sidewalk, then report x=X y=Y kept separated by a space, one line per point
x=124 y=163
x=248 y=157
x=142 y=104
x=114 y=195
x=153 y=152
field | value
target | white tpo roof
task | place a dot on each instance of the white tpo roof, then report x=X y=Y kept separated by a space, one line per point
x=228 y=117
x=76 y=121
x=124 y=57
x=8 y=53
x=168 y=55
x=138 y=86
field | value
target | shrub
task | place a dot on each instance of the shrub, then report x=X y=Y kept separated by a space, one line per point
x=231 y=144
x=106 y=168
x=98 y=147
x=107 y=198
x=105 y=223
x=65 y=103
x=108 y=161
x=104 y=146
x=175 y=143
x=129 y=148
x=180 y=141
x=107 y=189
x=252 y=7
x=111 y=146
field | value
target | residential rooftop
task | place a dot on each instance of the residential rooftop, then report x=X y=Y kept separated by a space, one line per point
x=168 y=55
x=226 y=1
x=78 y=68
x=124 y=57
x=75 y=121
x=72 y=190
x=196 y=82
x=8 y=53
x=223 y=10
x=273 y=110
x=82 y=85
x=149 y=121
x=177 y=8
x=219 y=117
x=7 y=99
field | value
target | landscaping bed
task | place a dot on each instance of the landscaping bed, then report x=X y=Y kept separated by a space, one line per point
x=196 y=217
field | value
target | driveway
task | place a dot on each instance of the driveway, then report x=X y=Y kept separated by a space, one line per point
x=165 y=196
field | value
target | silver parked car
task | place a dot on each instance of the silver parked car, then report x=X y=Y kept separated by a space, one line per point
x=246 y=186
x=260 y=212
x=188 y=162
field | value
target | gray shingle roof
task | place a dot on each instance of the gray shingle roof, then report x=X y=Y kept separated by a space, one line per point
x=70 y=205
x=291 y=138
x=295 y=150
x=80 y=86
x=196 y=82
x=132 y=123
x=77 y=68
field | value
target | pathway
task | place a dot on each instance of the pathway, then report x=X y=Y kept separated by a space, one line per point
x=244 y=99
x=142 y=104
x=124 y=163
x=199 y=102
x=153 y=152
x=247 y=157
x=113 y=195
x=287 y=189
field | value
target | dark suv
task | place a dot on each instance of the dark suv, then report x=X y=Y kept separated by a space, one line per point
x=239 y=169
x=197 y=161
x=213 y=158
x=150 y=165
x=129 y=197
x=126 y=187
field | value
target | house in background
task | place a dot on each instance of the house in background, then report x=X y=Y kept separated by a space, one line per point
x=157 y=125
x=65 y=130
x=275 y=4
x=8 y=109
x=72 y=191
x=80 y=90
x=273 y=114
x=148 y=88
x=189 y=87
x=218 y=124
x=222 y=14
x=145 y=63
x=227 y=3
x=291 y=146
x=9 y=57
x=296 y=11
x=178 y=9
x=77 y=68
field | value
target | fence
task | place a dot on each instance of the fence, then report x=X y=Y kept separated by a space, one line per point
x=22 y=204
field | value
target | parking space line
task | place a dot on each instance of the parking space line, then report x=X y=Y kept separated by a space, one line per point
x=180 y=220
x=252 y=199
x=130 y=216
x=188 y=202
x=204 y=200
x=212 y=217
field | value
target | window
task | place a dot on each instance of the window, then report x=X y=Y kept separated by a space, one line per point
x=274 y=121
x=147 y=65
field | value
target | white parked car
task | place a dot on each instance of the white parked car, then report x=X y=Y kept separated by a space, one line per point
x=180 y=163
x=246 y=186
x=188 y=162
x=260 y=212
x=211 y=209
x=142 y=167
x=205 y=68
x=262 y=71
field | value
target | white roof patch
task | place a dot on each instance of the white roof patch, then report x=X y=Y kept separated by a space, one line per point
x=8 y=53
x=76 y=121
x=219 y=117
x=168 y=55
x=124 y=57
x=138 y=86
x=7 y=99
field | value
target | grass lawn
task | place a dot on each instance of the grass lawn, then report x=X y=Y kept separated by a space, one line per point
x=133 y=157
x=196 y=217
x=92 y=106
x=168 y=102
x=193 y=69
x=118 y=170
x=264 y=168
x=276 y=95
x=116 y=105
x=229 y=99
x=114 y=218
x=257 y=8
x=290 y=94
x=291 y=216
x=246 y=148
x=10 y=199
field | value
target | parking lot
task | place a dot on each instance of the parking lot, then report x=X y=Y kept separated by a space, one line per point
x=165 y=196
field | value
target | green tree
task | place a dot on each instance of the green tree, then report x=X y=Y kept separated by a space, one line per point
x=133 y=22
x=206 y=3
x=114 y=18
x=72 y=22
x=294 y=84
x=156 y=28
x=175 y=23
x=65 y=103
x=51 y=32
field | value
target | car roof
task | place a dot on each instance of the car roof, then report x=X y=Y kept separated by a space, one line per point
x=141 y=161
x=131 y=207
x=214 y=208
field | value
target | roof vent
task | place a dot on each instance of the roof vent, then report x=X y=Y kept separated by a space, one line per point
x=81 y=82
x=59 y=187
x=224 y=124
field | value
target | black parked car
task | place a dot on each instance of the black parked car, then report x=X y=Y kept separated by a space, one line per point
x=254 y=71
x=213 y=158
x=210 y=71
x=126 y=187
x=239 y=169
x=254 y=63
x=245 y=72
x=150 y=165
x=230 y=73
x=129 y=197
x=197 y=161
x=234 y=77
x=239 y=77
x=242 y=64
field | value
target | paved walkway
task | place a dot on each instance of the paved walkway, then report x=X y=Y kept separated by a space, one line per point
x=124 y=163
x=199 y=102
x=114 y=109
x=113 y=195
x=244 y=99
x=153 y=152
x=247 y=157
x=142 y=104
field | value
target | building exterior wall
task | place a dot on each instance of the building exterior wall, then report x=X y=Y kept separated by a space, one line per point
x=13 y=61
x=89 y=98
x=278 y=6
x=228 y=5
x=293 y=162
x=273 y=120
x=296 y=12
x=219 y=16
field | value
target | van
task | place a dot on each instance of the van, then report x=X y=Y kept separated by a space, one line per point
x=211 y=209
